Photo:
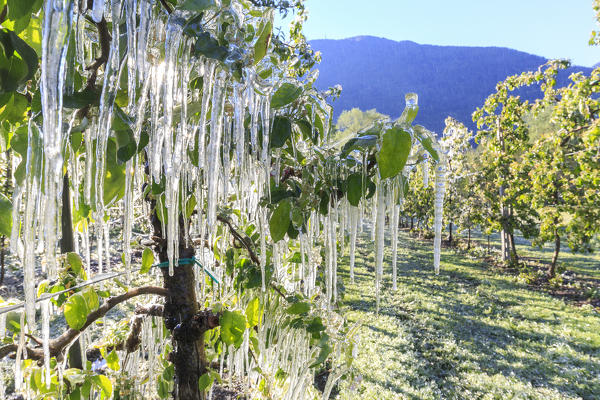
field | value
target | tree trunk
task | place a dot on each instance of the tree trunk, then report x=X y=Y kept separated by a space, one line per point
x=412 y=223
x=514 y=257
x=181 y=306
x=552 y=270
x=450 y=235
x=489 y=250
x=469 y=239
x=67 y=245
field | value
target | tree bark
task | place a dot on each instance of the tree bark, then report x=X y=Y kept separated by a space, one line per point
x=552 y=270
x=514 y=257
x=180 y=307
x=469 y=239
x=450 y=234
x=67 y=245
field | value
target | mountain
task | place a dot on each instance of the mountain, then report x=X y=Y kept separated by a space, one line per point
x=450 y=80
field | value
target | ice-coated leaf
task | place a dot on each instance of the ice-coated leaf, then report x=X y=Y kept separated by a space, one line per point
x=354 y=187
x=253 y=314
x=280 y=220
x=233 y=325
x=281 y=132
x=262 y=43
x=287 y=93
x=104 y=384
x=75 y=262
x=197 y=5
x=395 y=148
x=76 y=311
x=5 y=215
x=147 y=260
x=424 y=136
x=205 y=381
x=298 y=308
x=112 y=361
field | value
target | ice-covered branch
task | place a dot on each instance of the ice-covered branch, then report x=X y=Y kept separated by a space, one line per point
x=60 y=343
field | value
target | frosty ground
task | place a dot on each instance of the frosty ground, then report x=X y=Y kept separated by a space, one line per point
x=472 y=332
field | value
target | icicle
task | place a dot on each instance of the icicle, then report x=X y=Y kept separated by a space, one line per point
x=55 y=39
x=173 y=151
x=32 y=186
x=333 y=251
x=131 y=17
x=353 y=231
x=143 y=30
x=107 y=99
x=440 y=190
x=379 y=239
x=97 y=10
x=46 y=341
x=395 y=215
x=213 y=159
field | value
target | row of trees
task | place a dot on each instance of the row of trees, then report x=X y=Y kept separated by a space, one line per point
x=531 y=168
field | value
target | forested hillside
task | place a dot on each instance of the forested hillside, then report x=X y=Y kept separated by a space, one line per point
x=450 y=80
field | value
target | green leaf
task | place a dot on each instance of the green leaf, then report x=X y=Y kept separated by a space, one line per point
x=360 y=143
x=147 y=260
x=112 y=361
x=280 y=221
x=15 y=110
x=27 y=54
x=281 y=132
x=91 y=299
x=75 y=262
x=208 y=46
x=205 y=381
x=253 y=314
x=162 y=388
x=81 y=99
x=425 y=137
x=197 y=5
x=5 y=215
x=32 y=33
x=262 y=43
x=233 y=325
x=76 y=311
x=395 y=148
x=104 y=384
x=323 y=354
x=114 y=179
x=286 y=94
x=354 y=187
x=19 y=141
x=298 y=308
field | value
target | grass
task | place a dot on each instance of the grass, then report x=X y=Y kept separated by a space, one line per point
x=469 y=333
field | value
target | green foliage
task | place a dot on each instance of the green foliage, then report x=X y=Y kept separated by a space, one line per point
x=233 y=325
x=395 y=147
x=147 y=260
x=285 y=94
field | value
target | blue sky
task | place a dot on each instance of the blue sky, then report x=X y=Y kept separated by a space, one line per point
x=549 y=28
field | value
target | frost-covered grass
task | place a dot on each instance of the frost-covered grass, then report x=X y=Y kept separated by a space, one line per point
x=468 y=333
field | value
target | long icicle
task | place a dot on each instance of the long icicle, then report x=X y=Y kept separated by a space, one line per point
x=440 y=190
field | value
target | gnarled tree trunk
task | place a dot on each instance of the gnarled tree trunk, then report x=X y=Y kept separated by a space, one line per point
x=180 y=310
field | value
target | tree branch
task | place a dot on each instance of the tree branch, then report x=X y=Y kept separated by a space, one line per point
x=166 y=6
x=241 y=238
x=60 y=343
x=104 y=38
